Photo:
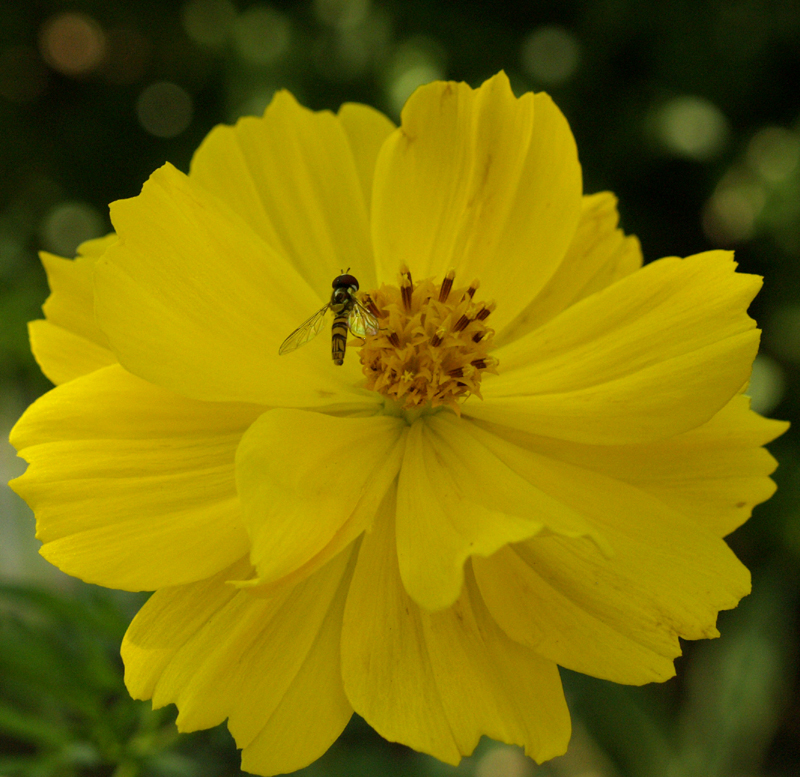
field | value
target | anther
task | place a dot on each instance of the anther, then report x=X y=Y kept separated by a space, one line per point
x=462 y=323
x=437 y=348
x=406 y=286
x=447 y=284
x=473 y=287
x=370 y=305
x=486 y=310
x=462 y=372
x=438 y=336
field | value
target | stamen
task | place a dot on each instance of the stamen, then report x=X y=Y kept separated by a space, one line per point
x=406 y=286
x=447 y=284
x=370 y=305
x=462 y=323
x=486 y=310
x=438 y=336
x=431 y=329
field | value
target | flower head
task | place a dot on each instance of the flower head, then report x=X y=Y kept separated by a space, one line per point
x=530 y=460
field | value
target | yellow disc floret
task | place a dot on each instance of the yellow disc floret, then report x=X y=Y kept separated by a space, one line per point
x=433 y=344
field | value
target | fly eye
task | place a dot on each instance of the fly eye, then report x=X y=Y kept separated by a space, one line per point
x=345 y=280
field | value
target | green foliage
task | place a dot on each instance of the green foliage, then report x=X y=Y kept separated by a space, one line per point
x=64 y=710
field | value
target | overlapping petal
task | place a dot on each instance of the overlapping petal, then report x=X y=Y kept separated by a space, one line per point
x=192 y=299
x=665 y=576
x=653 y=355
x=479 y=181
x=298 y=179
x=310 y=483
x=599 y=254
x=67 y=343
x=457 y=499
x=439 y=681
x=133 y=487
x=715 y=473
x=269 y=665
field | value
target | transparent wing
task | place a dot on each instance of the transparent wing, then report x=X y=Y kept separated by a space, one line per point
x=308 y=330
x=361 y=322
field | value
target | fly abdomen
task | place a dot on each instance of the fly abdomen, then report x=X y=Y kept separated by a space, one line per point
x=339 y=332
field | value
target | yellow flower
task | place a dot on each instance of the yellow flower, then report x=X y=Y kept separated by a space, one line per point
x=537 y=470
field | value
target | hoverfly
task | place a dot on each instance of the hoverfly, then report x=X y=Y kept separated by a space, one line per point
x=348 y=312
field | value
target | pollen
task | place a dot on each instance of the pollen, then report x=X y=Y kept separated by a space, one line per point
x=433 y=344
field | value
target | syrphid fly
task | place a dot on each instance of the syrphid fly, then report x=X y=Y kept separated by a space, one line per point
x=348 y=313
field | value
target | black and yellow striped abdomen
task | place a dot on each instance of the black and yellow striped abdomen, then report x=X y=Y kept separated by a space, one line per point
x=339 y=332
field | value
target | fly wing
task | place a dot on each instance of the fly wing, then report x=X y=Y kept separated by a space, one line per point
x=308 y=330
x=361 y=322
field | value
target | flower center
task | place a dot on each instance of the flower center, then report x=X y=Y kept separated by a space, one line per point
x=433 y=344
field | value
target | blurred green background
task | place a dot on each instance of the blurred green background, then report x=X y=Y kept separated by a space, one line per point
x=689 y=111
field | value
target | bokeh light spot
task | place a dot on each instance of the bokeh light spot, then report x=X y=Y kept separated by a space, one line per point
x=503 y=761
x=692 y=127
x=72 y=43
x=767 y=384
x=255 y=103
x=262 y=35
x=773 y=153
x=730 y=215
x=164 y=109
x=69 y=224
x=550 y=55
x=404 y=84
x=415 y=62
x=208 y=22
x=341 y=13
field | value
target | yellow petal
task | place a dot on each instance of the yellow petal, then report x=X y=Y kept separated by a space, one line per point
x=479 y=181
x=653 y=355
x=366 y=130
x=534 y=610
x=456 y=499
x=439 y=681
x=63 y=355
x=269 y=665
x=193 y=300
x=715 y=473
x=293 y=177
x=69 y=343
x=70 y=304
x=665 y=576
x=309 y=484
x=598 y=255
x=133 y=487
